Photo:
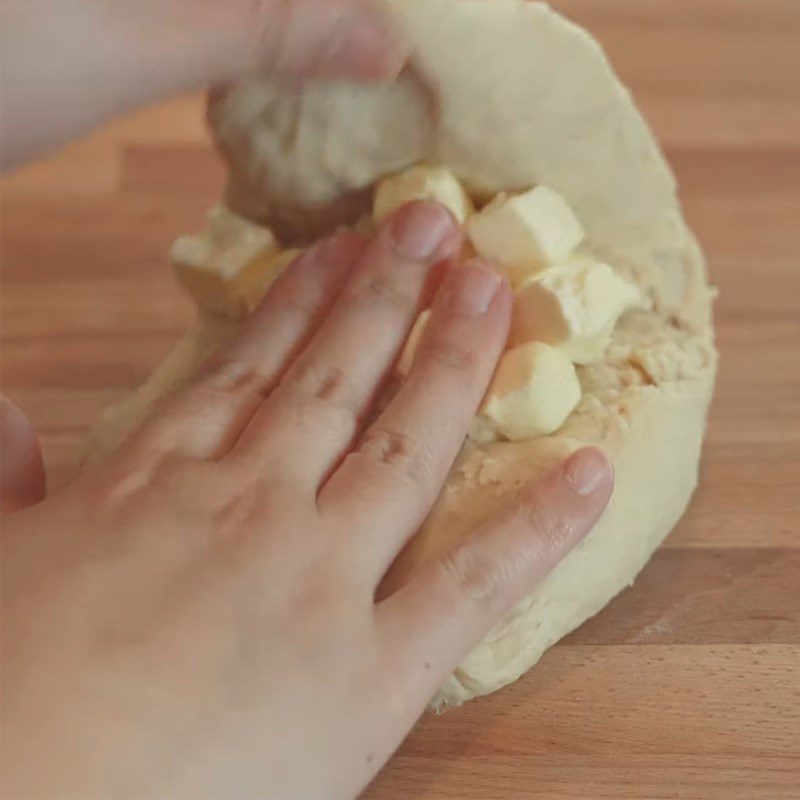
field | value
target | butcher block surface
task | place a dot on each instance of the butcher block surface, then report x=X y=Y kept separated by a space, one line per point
x=688 y=684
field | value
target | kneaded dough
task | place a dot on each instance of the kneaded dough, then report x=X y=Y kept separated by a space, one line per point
x=507 y=94
x=207 y=335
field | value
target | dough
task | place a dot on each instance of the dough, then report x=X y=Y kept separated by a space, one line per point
x=207 y=335
x=508 y=95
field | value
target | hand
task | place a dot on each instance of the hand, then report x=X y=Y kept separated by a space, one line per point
x=21 y=468
x=68 y=65
x=196 y=617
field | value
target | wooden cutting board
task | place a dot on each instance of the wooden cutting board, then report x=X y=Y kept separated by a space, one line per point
x=688 y=685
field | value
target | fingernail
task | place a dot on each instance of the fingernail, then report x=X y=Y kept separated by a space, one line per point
x=587 y=471
x=472 y=288
x=366 y=48
x=419 y=230
x=333 y=40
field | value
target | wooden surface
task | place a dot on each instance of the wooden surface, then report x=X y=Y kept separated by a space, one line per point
x=688 y=685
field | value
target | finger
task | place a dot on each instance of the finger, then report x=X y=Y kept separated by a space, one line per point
x=205 y=420
x=455 y=600
x=390 y=482
x=302 y=39
x=319 y=405
x=22 y=481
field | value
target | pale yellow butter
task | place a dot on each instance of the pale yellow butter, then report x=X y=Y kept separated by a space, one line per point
x=422 y=183
x=534 y=390
x=574 y=306
x=406 y=360
x=226 y=267
x=526 y=233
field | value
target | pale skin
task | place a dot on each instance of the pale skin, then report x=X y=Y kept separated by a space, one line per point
x=198 y=616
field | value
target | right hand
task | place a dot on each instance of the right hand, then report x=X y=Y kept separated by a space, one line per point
x=197 y=616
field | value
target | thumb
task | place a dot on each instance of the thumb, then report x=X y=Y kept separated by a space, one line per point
x=21 y=470
x=456 y=599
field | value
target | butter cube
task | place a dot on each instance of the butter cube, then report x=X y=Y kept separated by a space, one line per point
x=534 y=390
x=226 y=267
x=574 y=307
x=481 y=431
x=279 y=263
x=526 y=233
x=422 y=183
x=406 y=359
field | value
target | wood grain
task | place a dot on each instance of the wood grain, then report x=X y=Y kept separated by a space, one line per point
x=684 y=687
x=630 y=721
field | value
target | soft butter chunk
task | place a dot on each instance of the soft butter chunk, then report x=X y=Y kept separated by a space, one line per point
x=227 y=267
x=279 y=262
x=526 y=233
x=574 y=306
x=422 y=183
x=406 y=360
x=534 y=390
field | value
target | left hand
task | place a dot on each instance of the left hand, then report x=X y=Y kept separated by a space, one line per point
x=22 y=480
x=68 y=65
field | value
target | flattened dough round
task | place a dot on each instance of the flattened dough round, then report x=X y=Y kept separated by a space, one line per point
x=506 y=94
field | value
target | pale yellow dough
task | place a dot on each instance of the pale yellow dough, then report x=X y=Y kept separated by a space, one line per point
x=508 y=95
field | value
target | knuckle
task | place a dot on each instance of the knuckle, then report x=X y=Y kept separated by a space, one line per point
x=133 y=476
x=454 y=356
x=325 y=584
x=226 y=377
x=402 y=454
x=125 y=477
x=315 y=391
x=179 y=477
x=386 y=289
x=315 y=386
x=237 y=517
x=478 y=579
x=549 y=530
